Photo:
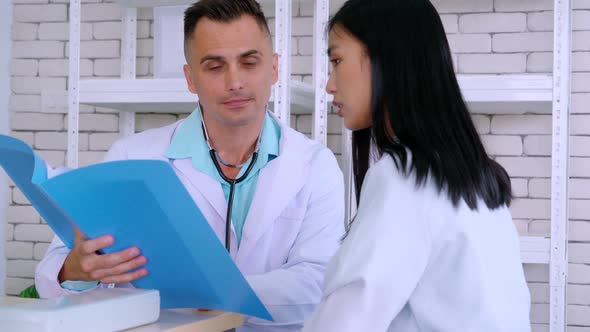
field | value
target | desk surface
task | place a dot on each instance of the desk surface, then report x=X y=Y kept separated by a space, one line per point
x=174 y=320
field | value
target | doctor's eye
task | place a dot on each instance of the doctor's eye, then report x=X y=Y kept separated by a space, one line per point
x=213 y=66
x=335 y=62
x=250 y=62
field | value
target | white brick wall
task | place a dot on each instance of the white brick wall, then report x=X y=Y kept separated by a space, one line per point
x=520 y=187
x=579 y=209
x=521 y=124
x=540 y=21
x=61 y=31
x=41 y=13
x=101 y=12
x=537 y=145
x=463 y=6
x=34 y=85
x=24 y=67
x=450 y=22
x=24 y=31
x=523 y=42
x=39 y=250
x=482 y=123
x=145 y=122
x=102 y=141
x=579 y=269
x=492 y=63
x=540 y=188
x=526 y=166
x=522 y=5
x=581 y=61
x=540 y=62
x=492 y=23
x=486 y=36
x=500 y=145
x=35 y=121
x=19 y=250
x=471 y=43
x=37 y=49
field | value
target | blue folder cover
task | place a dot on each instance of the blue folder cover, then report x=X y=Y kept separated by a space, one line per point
x=141 y=203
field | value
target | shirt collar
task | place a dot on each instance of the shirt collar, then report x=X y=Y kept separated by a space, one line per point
x=189 y=142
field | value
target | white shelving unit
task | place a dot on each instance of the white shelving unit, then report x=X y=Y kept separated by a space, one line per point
x=493 y=94
x=487 y=94
x=558 y=263
x=166 y=95
x=130 y=95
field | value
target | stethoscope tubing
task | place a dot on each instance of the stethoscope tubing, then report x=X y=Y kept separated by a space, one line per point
x=232 y=182
x=232 y=185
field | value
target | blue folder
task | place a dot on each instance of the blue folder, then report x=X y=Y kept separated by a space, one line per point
x=141 y=203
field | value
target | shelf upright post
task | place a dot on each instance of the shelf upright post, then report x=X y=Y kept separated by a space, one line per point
x=73 y=85
x=349 y=194
x=128 y=65
x=282 y=93
x=320 y=71
x=560 y=160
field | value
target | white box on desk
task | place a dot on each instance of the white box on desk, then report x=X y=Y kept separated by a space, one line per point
x=98 y=310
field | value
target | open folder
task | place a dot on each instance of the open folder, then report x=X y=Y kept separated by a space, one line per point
x=141 y=203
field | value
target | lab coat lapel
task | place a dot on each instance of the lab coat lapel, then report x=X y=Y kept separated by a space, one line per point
x=278 y=184
x=208 y=187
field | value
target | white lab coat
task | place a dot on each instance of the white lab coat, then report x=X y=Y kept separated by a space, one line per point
x=413 y=262
x=293 y=228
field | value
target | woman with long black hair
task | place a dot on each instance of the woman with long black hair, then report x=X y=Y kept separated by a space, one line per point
x=433 y=246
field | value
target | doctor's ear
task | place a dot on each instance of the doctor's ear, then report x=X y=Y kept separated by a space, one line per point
x=189 y=79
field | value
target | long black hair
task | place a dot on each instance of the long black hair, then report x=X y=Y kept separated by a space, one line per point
x=416 y=95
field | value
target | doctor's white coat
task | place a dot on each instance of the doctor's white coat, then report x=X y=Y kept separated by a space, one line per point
x=293 y=228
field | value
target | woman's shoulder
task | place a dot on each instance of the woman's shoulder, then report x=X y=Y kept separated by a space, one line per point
x=386 y=182
x=386 y=171
x=397 y=184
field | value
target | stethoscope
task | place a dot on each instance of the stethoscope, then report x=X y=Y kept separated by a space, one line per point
x=216 y=158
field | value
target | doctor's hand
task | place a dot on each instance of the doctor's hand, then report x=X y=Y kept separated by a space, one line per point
x=84 y=263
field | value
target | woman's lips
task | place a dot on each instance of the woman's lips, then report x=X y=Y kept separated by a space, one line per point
x=339 y=107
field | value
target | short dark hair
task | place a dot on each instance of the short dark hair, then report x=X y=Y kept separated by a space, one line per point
x=415 y=92
x=224 y=11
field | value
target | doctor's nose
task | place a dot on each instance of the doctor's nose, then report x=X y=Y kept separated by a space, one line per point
x=233 y=79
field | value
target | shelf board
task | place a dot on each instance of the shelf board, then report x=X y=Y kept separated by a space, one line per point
x=507 y=94
x=489 y=94
x=535 y=249
x=140 y=95
x=168 y=95
x=158 y=3
x=152 y=3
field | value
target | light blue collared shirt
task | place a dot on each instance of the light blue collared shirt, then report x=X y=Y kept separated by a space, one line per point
x=189 y=142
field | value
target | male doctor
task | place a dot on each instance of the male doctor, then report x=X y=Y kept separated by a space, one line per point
x=287 y=216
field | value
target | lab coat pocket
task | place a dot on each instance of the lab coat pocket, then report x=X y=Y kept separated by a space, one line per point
x=285 y=230
x=288 y=224
x=292 y=213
